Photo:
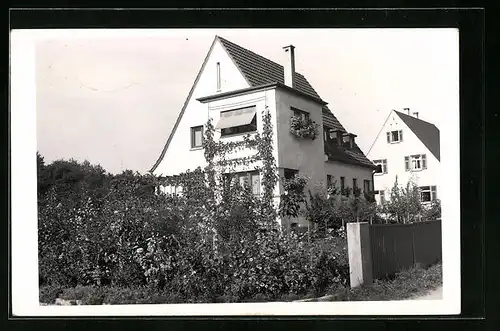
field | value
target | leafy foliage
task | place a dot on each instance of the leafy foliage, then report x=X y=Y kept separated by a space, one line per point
x=303 y=128
x=211 y=243
x=404 y=205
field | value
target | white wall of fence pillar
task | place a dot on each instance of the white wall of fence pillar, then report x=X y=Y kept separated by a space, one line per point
x=360 y=257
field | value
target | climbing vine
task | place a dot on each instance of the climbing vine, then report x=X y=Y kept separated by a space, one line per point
x=269 y=169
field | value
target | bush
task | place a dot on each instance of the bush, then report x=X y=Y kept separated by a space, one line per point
x=88 y=295
x=49 y=294
x=129 y=245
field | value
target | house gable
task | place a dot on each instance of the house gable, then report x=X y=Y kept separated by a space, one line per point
x=256 y=71
x=427 y=133
x=194 y=113
x=395 y=153
x=411 y=142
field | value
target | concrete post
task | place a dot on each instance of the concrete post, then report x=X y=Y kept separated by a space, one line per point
x=360 y=255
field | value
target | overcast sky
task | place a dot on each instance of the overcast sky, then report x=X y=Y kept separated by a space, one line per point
x=113 y=98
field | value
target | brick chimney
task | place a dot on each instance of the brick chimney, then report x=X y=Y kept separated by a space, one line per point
x=407 y=110
x=289 y=65
x=415 y=114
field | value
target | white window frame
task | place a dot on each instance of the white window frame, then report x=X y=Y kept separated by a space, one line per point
x=383 y=163
x=390 y=136
x=416 y=162
x=431 y=190
x=193 y=140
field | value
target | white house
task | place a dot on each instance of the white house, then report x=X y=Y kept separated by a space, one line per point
x=406 y=148
x=233 y=87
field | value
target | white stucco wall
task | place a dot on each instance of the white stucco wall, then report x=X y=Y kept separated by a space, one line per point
x=395 y=154
x=179 y=156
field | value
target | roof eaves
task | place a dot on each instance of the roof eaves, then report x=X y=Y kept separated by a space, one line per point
x=332 y=158
x=308 y=96
x=243 y=91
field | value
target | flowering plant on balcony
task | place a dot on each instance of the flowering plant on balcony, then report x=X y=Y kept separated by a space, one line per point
x=303 y=128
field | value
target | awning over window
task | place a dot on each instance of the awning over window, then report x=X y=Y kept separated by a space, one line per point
x=238 y=117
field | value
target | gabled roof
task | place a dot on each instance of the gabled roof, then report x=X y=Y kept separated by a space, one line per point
x=330 y=121
x=352 y=156
x=427 y=132
x=259 y=71
x=178 y=120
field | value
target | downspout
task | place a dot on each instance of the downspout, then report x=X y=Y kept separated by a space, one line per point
x=373 y=189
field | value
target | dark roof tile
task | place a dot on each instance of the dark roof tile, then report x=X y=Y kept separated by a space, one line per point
x=259 y=70
x=427 y=132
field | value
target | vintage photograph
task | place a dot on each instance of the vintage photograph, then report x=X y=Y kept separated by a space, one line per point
x=244 y=166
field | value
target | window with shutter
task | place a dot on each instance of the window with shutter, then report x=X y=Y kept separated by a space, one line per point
x=428 y=193
x=395 y=136
x=382 y=164
x=416 y=162
x=433 y=193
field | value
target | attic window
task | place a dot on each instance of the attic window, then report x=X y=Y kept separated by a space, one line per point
x=218 y=77
x=395 y=136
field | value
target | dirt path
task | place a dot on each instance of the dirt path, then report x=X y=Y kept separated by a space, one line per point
x=436 y=294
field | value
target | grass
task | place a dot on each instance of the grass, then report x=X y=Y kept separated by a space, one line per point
x=404 y=285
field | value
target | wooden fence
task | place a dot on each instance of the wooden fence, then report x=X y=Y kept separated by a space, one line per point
x=400 y=246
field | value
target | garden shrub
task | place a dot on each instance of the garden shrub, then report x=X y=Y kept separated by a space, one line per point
x=88 y=295
x=49 y=294
x=111 y=239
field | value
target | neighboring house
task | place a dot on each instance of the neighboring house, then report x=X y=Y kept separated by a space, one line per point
x=233 y=87
x=406 y=148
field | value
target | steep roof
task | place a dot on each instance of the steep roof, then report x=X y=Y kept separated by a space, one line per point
x=259 y=71
x=427 y=132
x=352 y=156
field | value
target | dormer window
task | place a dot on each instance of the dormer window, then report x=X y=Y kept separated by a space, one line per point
x=218 y=77
x=336 y=136
x=348 y=140
x=395 y=136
